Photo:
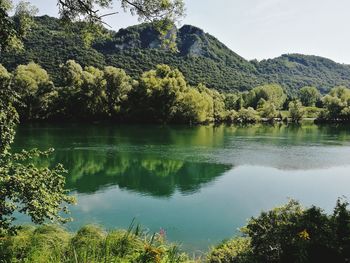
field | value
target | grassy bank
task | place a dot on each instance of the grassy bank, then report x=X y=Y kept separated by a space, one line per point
x=90 y=244
x=290 y=233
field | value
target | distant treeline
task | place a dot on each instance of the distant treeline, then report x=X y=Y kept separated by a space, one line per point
x=161 y=95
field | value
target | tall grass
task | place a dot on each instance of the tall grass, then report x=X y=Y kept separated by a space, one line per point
x=91 y=244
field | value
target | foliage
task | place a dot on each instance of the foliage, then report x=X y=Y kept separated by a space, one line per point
x=161 y=95
x=118 y=87
x=312 y=112
x=336 y=105
x=13 y=29
x=267 y=109
x=271 y=93
x=31 y=82
x=237 y=250
x=296 y=111
x=145 y=9
x=50 y=243
x=162 y=90
x=309 y=96
x=200 y=57
x=270 y=234
x=296 y=71
x=8 y=114
x=291 y=233
x=163 y=14
x=248 y=115
x=25 y=188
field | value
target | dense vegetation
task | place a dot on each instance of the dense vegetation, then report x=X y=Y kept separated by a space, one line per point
x=24 y=188
x=90 y=244
x=289 y=233
x=161 y=95
x=200 y=57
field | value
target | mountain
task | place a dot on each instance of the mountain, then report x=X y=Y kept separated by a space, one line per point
x=201 y=57
x=295 y=71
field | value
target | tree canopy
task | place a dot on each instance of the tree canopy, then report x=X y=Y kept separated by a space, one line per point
x=24 y=188
x=162 y=12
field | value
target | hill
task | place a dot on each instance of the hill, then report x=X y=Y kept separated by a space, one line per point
x=201 y=57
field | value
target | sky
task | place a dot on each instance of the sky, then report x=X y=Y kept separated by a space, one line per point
x=261 y=29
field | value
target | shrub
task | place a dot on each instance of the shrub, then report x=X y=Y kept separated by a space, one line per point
x=237 y=250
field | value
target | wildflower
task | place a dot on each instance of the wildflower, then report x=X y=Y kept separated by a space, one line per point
x=162 y=233
x=304 y=235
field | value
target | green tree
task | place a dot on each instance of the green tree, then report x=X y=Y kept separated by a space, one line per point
x=309 y=96
x=218 y=99
x=296 y=111
x=163 y=12
x=24 y=188
x=92 y=95
x=118 y=87
x=267 y=109
x=248 y=115
x=12 y=29
x=195 y=106
x=161 y=90
x=271 y=234
x=342 y=93
x=336 y=104
x=272 y=93
x=31 y=82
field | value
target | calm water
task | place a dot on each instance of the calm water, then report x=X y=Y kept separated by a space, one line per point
x=200 y=184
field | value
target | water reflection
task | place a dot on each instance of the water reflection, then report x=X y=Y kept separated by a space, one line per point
x=199 y=183
x=147 y=176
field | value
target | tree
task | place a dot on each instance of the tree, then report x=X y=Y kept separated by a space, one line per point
x=341 y=92
x=195 y=106
x=296 y=111
x=219 y=108
x=24 y=188
x=161 y=91
x=333 y=107
x=149 y=10
x=273 y=93
x=31 y=82
x=8 y=114
x=309 y=96
x=337 y=104
x=272 y=232
x=163 y=12
x=118 y=87
x=92 y=96
x=248 y=115
x=12 y=29
x=267 y=109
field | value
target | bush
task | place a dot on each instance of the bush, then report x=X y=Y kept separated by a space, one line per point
x=237 y=250
x=248 y=115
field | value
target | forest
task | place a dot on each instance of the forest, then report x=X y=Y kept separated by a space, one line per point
x=161 y=95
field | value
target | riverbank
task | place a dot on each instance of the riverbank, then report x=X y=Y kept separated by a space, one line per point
x=50 y=243
x=289 y=233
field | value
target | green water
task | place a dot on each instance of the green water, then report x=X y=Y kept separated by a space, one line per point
x=200 y=184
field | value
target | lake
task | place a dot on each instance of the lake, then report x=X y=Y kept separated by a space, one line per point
x=199 y=184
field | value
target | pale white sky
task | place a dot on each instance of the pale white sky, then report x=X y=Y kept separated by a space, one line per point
x=262 y=28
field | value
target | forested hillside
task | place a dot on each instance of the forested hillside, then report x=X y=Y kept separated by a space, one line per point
x=200 y=57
